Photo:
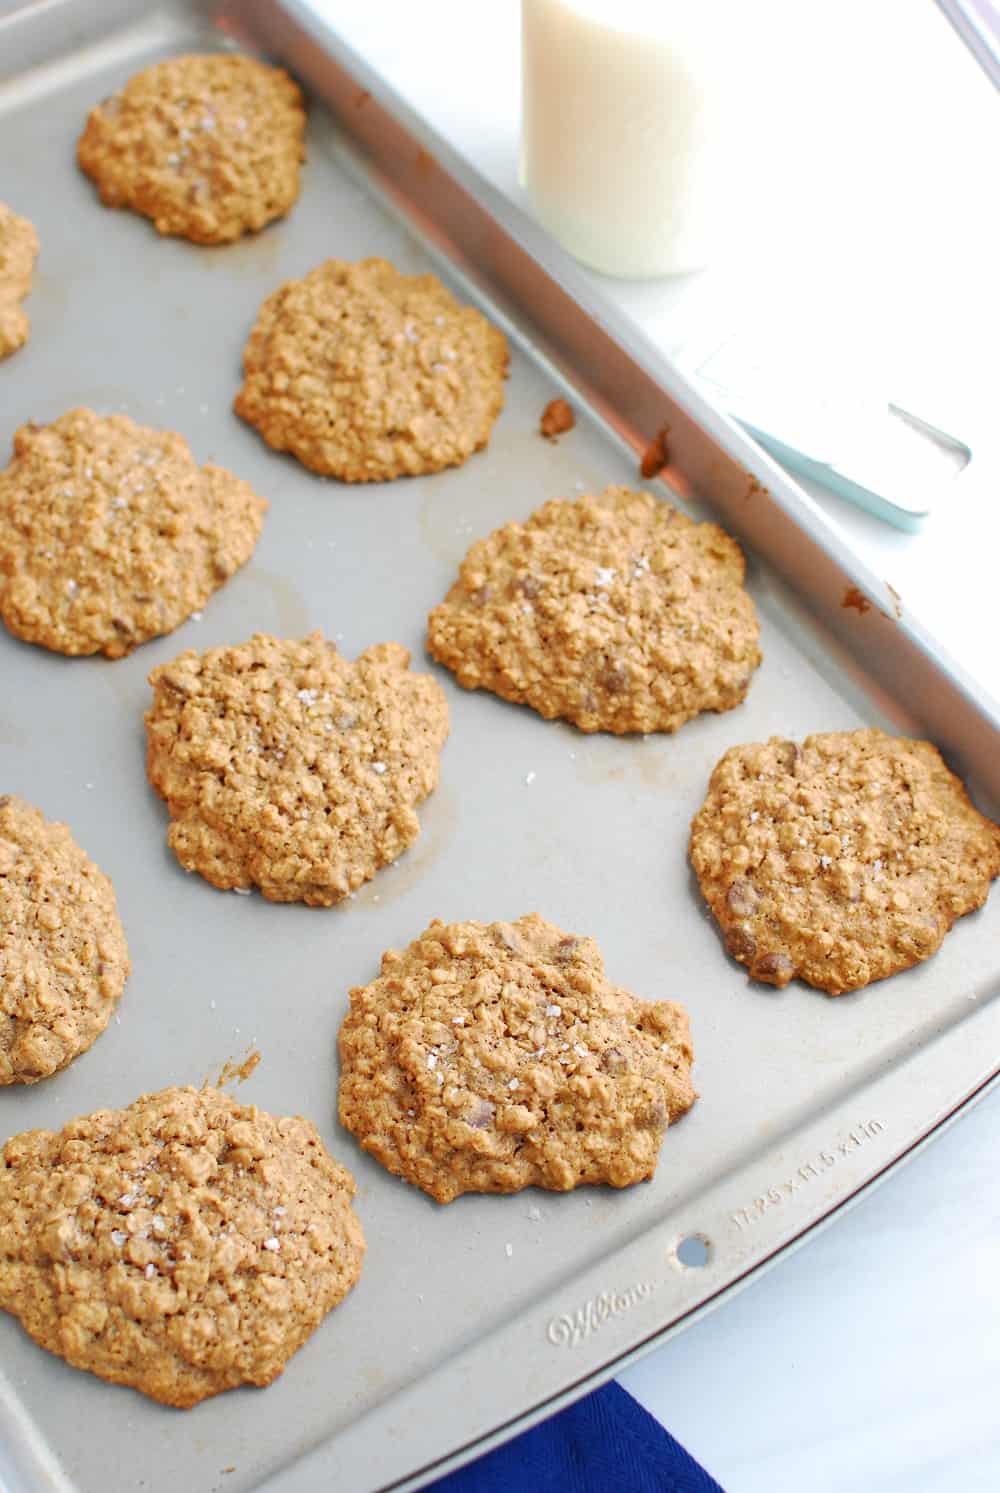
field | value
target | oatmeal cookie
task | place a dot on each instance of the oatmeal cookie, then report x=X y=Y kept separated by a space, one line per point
x=182 y=1246
x=491 y=1058
x=209 y=147
x=840 y=861
x=286 y=767
x=615 y=612
x=63 y=958
x=111 y=534
x=18 y=251
x=366 y=374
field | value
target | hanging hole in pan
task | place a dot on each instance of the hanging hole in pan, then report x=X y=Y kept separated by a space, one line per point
x=693 y=1251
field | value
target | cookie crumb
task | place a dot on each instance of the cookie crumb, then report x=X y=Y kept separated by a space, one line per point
x=655 y=457
x=234 y=1072
x=856 y=599
x=557 y=418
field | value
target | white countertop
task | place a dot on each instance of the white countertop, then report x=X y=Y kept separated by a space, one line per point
x=871 y=1357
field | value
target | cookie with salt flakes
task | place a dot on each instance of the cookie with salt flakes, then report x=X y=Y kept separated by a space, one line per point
x=289 y=768
x=366 y=374
x=488 y=1058
x=18 y=251
x=112 y=534
x=840 y=861
x=614 y=611
x=63 y=956
x=183 y=1245
x=208 y=146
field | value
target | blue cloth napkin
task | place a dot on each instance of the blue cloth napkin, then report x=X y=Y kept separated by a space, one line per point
x=605 y=1443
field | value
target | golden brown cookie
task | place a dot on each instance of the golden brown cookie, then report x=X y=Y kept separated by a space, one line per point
x=840 y=861
x=615 y=612
x=491 y=1058
x=63 y=958
x=18 y=250
x=209 y=147
x=111 y=534
x=182 y=1246
x=366 y=374
x=286 y=767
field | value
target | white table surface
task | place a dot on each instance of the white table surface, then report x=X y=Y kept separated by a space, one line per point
x=870 y=1359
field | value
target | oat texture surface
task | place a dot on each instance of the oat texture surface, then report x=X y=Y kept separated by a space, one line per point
x=487 y=1058
x=63 y=956
x=209 y=146
x=614 y=611
x=839 y=861
x=111 y=534
x=366 y=374
x=286 y=767
x=18 y=250
x=182 y=1246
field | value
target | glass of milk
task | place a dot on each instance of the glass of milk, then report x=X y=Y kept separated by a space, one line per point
x=631 y=117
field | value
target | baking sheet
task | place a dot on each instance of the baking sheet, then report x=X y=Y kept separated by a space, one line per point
x=467 y=1318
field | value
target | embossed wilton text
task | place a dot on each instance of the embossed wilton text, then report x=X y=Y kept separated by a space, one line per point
x=569 y=1330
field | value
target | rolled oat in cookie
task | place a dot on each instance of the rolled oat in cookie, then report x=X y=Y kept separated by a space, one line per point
x=487 y=1058
x=366 y=374
x=616 y=612
x=286 y=767
x=63 y=957
x=209 y=146
x=111 y=534
x=182 y=1246
x=18 y=251
x=840 y=861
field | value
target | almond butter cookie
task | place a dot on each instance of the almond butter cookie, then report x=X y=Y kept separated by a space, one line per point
x=111 y=534
x=182 y=1246
x=366 y=374
x=491 y=1058
x=18 y=251
x=841 y=861
x=63 y=957
x=209 y=147
x=286 y=767
x=615 y=612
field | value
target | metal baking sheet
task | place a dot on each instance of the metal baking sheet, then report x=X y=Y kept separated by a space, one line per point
x=472 y=1319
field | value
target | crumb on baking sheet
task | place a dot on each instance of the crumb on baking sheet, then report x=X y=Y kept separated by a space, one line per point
x=655 y=456
x=856 y=599
x=234 y=1072
x=557 y=418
